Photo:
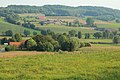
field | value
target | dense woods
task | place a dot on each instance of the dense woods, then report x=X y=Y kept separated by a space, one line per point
x=101 y=13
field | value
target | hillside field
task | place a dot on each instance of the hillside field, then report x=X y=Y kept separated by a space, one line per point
x=100 y=62
x=4 y=26
x=66 y=29
x=57 y=28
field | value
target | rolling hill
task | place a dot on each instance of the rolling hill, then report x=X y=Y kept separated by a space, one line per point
x=101 y=13
x=4 y=26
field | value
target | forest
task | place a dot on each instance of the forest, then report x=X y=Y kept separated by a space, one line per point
x=101 y=13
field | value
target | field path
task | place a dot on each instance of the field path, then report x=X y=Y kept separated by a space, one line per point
x=21 y=53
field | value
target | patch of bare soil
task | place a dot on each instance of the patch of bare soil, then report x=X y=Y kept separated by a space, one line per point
x=21 y=53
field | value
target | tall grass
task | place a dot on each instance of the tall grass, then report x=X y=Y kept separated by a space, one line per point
x=95 y=63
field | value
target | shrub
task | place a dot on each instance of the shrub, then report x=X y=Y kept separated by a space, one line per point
x=4 y=40
x=62 y=38
x=56 y=45
x=31 y=44
x=60 y=51
x=116 y=40
x=18 y=37
x=47 y=46
x=26 y=32
x=74 y=44
x=87 y=44
x=82 y=44
x=10 y=48
x=9 y=33
x=65 y=46
x=70 y=45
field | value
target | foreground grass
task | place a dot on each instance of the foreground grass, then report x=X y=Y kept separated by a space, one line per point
x=95 y=63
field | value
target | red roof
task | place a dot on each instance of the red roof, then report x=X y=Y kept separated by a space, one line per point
x=41 y=17
x=16 y=43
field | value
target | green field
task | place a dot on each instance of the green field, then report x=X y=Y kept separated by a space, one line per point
x=113 y=26
x=95 y=63
x=62 y=29
x=4 y=26
x=66 y=29
x=97 y=40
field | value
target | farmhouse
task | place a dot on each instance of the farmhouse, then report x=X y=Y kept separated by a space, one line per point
x=17 y=44
x=42 y=17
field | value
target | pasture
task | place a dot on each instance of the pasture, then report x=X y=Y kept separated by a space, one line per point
x=57 y=28
x=98 y=62
x=66 y=29
x=4 y=26
x=97 y=40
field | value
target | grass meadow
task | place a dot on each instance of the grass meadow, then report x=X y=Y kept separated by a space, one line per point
x=97 y=40
x=66 y=29
x=62 y=29
x=4 y=26
x=99 y=62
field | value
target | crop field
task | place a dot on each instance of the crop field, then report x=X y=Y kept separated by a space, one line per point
x=30 y=14
x=62 y=29
x=63 y=18
x=99 y=62
x=66 y=29
x=97 y=40
x=113 y=26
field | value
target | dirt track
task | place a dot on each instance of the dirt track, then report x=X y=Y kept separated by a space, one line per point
x=21 y=53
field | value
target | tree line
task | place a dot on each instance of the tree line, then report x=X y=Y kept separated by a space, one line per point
x=47 y=42
x=101 y=13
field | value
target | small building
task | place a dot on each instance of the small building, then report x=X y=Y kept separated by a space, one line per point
x=42 y=17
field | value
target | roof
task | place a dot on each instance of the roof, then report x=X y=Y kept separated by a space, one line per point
x=16 y=43
x=41 y=17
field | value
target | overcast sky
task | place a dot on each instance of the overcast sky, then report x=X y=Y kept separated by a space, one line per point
x=106 y=3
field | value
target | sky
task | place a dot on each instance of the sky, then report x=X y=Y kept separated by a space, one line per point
x=105 y=3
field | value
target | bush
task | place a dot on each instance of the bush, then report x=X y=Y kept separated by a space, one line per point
x=70 y=45
x=56 y=45
x=82 y=44
x=60 y=51
x=10 y=48
x=47 y=46
x=116 y=39
x=87 y=44
x=31 y=44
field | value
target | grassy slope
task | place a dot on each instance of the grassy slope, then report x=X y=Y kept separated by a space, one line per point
x=100 y=24
x=4 y=26
x=113 y=26
x=65 y=29
x=62 y=29
x=100 y=63
x=97 y=40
